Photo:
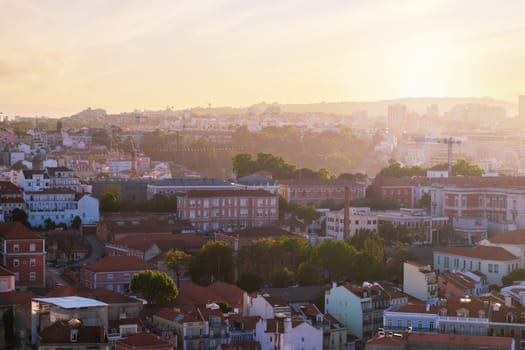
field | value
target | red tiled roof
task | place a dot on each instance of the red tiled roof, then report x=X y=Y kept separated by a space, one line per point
x=319 y=182
x=510 y=237
x=143 y=339
x=429 y=338
x=118 y=263
x=53 y=170
x=16 y=230
x=420 y=308
x=17 y=297
x=170 y=314
x=7 y=187
x=227 y=292
x=59 y=332
x=480 y=252
x=458 y=279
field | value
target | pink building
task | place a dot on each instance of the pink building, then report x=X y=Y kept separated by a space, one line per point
x=317 y=191
x=112 y=272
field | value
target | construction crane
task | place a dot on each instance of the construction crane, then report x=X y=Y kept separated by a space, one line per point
x=449 y=141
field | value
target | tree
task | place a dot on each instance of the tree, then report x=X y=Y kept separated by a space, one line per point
x=516 y=275
x=367 y=267
x=400 y=254
x=308 y=274
x=76 y=222
x=394 y=169
x=424 y=201
x=19 y=215
x=307 y=212
x=19 y=166
x=177 y=260
x=375 y=203
x=282 y=278
x=156 y=287
x=463 y=167
x=109 y=203
x=213 y=262
x=334 y=258
x=250 y=281
x=243 y=164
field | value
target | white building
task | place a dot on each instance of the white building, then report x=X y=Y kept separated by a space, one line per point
x=359 y=218
x=420 y=281
x=494 y=262
x=285 y=333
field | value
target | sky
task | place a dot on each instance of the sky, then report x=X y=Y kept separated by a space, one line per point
x=58 y=57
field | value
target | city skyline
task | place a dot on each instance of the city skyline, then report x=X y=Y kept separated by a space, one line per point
x=61 y=57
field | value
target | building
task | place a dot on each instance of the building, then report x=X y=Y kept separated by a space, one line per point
x=11 y=197
x=358 y=308
x=228 y=210
x=170 y=187
x=46 y=311
x=23 y=253
x=191 y=331
x=420 y=227
x=315 y=192
x=493 y=262
x=143 y=341
x=462 y=283
x=284 y=333
x=423 y=341
x=7 y=280
x=359 y=219
x=72 y=334
x=259 y=181
x=396 y=117
x=112 y=272
x=420 y=281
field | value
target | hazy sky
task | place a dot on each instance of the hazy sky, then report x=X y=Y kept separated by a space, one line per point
x=58 y=57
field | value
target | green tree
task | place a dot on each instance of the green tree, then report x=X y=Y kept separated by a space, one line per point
x=213 y=262
x=334 y=258
x=367 y=267
x=282 y=278
x=76 y=222
x=19 y=215
x=19 y=166
x=108 y=203
x=308 y=274
x=394 y=169
x=375 y=203
x=514 y=276
x=49 y=224
x=400 y=254
x=243 y=164
x=156 y=287
x=250 y=281
x=463 y=167
x=307 y=212
x=424 y=201
x=258 y=257
x=177 y=261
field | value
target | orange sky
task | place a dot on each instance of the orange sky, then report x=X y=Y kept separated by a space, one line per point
x=59 y=57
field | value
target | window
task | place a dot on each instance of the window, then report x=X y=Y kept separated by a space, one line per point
x=32 y=262
x=431 y=325
x=496 y=268
x=17 y=276
x=490 y=267
x=110 y=276
x=16 y=262
x=32 y=276
x=16 y=248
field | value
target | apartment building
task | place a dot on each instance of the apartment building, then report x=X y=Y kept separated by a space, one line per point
x=228 y=210
x=316 y=191
x=420 y=281
x=493 y=262
x=359 y=219
x=169 y=187
x=23 y=253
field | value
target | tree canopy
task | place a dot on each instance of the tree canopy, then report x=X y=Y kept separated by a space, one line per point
x=156 y=287
x=177 y=261
x=213 y=262
x=514 y=276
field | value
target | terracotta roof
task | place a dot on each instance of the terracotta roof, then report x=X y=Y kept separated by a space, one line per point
x=191 y=294
x=244 y=322
x=53 y=170
x=227 y=292
x=59 y=332
x=16 y=230
x=245 y=345
x=16 y=297
x=317 y=182
x=53 y=191
x=227 y=193
x=429 y=338
x=480 y=252
x=472 y=304
x=510 y=237
x=7 y=187
x=175 y=316
x=420 y=308
x=29 y=173
x=118 y=263
x=143 y=339
x=458 y=279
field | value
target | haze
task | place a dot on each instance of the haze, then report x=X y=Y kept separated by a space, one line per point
x=61 y=56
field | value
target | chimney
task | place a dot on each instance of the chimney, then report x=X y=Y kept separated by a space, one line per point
x=346 y=227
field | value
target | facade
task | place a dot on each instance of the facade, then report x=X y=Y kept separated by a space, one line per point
x=420 y=281
x=358 y=308
x=316 y=191
x=170 y=187
x=72 y=334
x=228 y=210
x=47 y=311
x=7 y=280
x=191 y=331
x=359 y=219
x=493 y=262
x=23 y=253
x=112 y=272
x=285 y=333
x=420 y=226
x=11 y=197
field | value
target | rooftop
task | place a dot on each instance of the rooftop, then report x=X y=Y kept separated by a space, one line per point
x=16 y=230
x=72 y=302
x=480 y=252
x=118 y=263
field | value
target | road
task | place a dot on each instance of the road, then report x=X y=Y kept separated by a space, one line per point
x=54 y=277
x=96 y=251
